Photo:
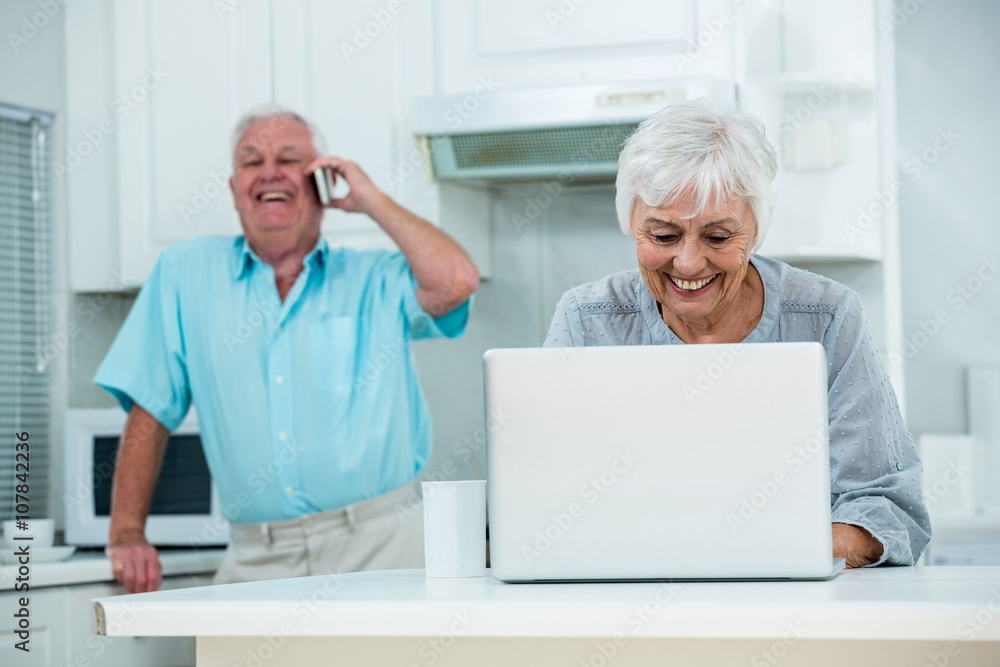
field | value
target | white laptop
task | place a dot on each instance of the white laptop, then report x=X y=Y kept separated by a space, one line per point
x=659 y=462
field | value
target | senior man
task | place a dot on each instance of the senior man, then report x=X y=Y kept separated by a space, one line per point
x=325 y=386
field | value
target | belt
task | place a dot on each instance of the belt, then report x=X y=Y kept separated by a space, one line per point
x=343 y=517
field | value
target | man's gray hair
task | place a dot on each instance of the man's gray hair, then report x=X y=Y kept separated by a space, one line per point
x=702 y=148
x=279 y=114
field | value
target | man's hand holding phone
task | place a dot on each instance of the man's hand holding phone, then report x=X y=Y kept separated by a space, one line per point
x=363 y=196
x=324 y=181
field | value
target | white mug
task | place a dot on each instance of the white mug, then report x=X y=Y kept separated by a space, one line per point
x=455 y=528
x=41 y=531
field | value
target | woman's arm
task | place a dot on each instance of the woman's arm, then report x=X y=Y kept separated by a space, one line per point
x=874 y=467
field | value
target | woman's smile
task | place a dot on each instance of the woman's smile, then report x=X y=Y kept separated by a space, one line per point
x=692 y=286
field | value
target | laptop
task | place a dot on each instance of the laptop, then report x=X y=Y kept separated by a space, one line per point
x=659 y=462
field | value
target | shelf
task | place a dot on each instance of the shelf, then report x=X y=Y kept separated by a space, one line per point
x=980 y=524
x=805 y=83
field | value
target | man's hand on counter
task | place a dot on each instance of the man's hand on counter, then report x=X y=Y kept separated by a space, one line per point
x=134 y=562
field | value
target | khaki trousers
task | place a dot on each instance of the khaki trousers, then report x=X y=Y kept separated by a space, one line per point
x=382 y=533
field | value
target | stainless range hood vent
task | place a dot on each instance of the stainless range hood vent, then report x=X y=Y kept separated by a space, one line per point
x=590 y=151
x=572 y=131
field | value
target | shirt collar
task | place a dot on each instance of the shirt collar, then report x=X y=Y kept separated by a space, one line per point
x=244 y=257
x=662 y=334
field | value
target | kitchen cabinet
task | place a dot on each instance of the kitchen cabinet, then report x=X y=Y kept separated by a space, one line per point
x=353 y=69
x=525 y=43
x=48 y=617
x=61 y=612
x=167 y=81
x=155 y=88
x=817 y=94
x=822 y=78
x=820 y=75
x=62 y=630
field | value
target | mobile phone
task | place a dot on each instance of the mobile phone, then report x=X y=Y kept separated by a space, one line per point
x=324 y=180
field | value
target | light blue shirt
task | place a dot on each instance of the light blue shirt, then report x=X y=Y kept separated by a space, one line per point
x=304 y=405
x=874 y=467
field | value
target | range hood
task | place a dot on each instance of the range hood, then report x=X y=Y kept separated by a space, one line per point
x=492 y=134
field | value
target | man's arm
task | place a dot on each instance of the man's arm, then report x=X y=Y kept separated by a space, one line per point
x=134 y=562
x=445 y=275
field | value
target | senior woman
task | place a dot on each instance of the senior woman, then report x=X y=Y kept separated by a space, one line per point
x=694 y=190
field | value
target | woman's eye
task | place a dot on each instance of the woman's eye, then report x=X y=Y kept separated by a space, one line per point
x=717 y=239
x=664 y=238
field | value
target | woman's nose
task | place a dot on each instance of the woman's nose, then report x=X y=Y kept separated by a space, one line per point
x=689 y=259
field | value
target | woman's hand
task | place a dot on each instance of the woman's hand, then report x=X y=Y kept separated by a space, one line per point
x=855 y=545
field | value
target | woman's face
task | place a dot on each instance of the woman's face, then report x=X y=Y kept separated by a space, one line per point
x=696 y=268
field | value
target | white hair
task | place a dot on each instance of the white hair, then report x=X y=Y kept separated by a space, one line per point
x=703 y=148
x=267 y=111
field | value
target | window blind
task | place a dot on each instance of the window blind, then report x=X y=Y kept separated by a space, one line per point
x=24 y=303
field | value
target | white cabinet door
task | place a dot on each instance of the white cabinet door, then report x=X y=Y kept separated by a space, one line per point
x=153 y=90
x=185 y=71
x=526 y=43
x=89 y=164
x=352 y=69
x=86 y=648
x=62 y=630
x=47 y=628
x=171 y=79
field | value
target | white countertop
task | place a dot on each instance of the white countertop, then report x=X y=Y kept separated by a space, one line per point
x=905 y=603
x=93 y=566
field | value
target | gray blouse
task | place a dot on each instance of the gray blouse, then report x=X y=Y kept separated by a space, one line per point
x=874 y=467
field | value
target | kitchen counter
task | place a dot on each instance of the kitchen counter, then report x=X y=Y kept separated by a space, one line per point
x=881 y=616
x=93 y=566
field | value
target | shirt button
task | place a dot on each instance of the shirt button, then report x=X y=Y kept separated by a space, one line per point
x=899 y=466
x=282 y=436
x=280 y=379
x=288 y=490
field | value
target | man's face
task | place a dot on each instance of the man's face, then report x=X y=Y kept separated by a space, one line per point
x=272 y=192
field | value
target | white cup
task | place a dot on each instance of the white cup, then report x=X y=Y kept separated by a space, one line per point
x=41 y=531
x=455 y=528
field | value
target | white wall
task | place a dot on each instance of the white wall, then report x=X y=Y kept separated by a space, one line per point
x=33 y=75
x=947 y=56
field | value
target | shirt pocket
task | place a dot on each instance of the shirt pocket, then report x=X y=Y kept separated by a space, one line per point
x=333 y=344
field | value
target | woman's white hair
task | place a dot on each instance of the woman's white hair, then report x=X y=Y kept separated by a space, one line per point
x=278 y=112
x=702 y=148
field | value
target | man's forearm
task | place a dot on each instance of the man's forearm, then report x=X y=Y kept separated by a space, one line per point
x=445 y=275
x=140 y=456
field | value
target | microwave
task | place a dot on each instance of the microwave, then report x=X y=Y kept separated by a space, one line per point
x=185 y=509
